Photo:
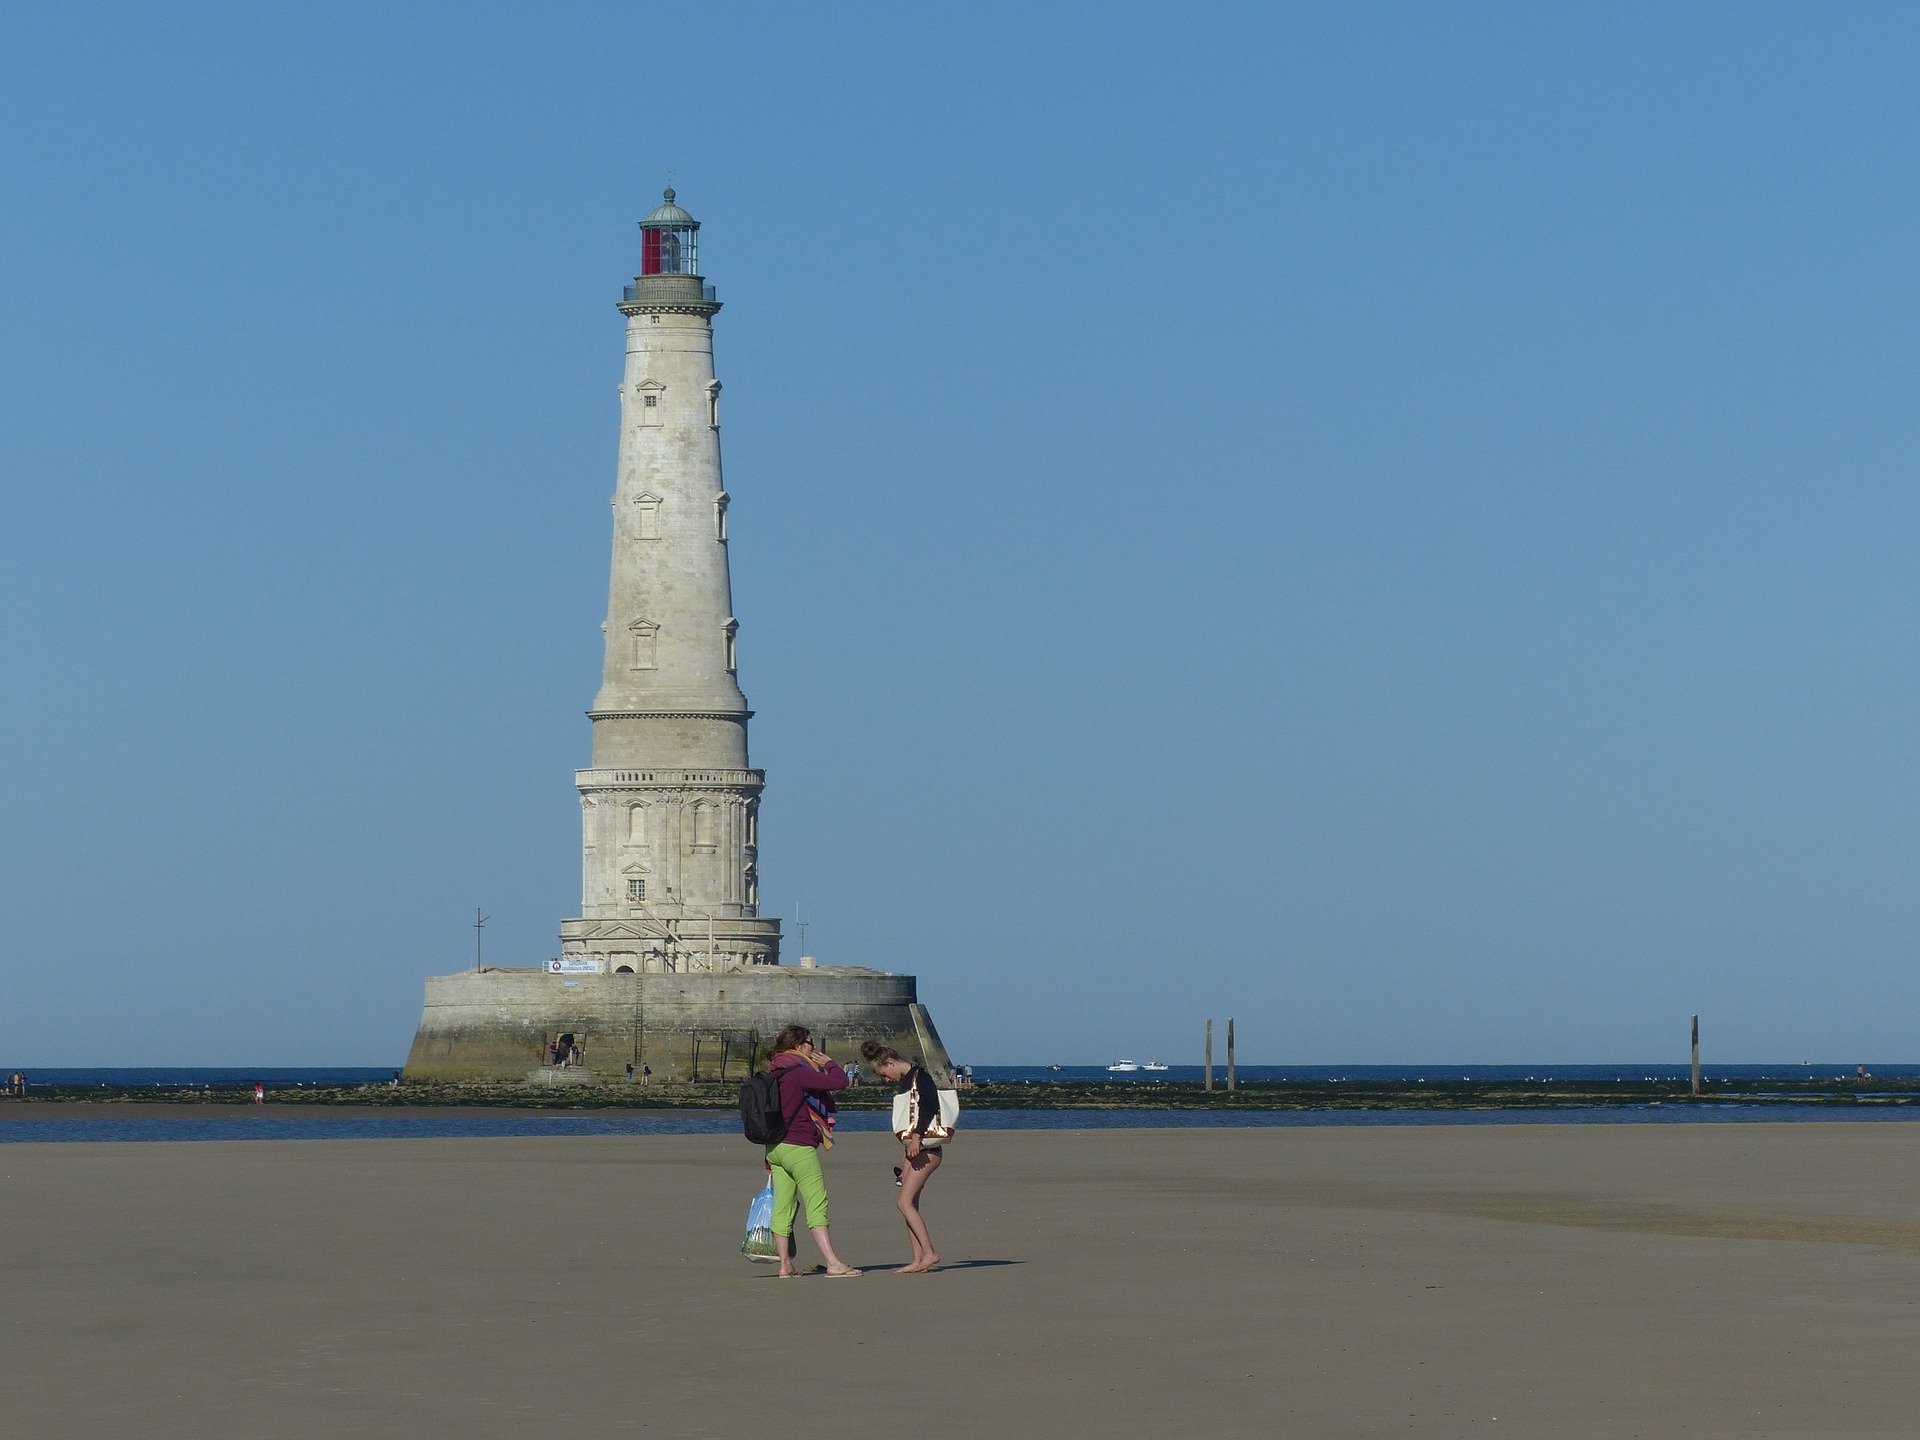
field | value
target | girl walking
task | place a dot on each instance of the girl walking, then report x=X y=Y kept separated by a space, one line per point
x=922 y=1137
x=808 y=1078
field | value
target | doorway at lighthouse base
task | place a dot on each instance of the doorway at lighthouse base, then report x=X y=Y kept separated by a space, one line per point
x=505 y=1024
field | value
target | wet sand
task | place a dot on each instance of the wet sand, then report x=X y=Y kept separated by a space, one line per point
x=1703 y=1281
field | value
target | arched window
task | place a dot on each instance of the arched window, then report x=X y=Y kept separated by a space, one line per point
x=720 y=503
x=637 y=824
x=702 y=825
x=713 y=403
x=732 y=628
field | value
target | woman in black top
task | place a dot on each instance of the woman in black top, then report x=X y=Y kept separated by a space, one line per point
x=922 y=1138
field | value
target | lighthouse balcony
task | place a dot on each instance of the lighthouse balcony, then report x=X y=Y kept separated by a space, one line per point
x=626 y=779
x=669 y=290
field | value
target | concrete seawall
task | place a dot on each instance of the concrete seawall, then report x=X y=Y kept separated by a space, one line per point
x=496 y=1024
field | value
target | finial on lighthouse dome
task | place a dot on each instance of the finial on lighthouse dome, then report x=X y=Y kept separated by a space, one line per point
x=669 y=239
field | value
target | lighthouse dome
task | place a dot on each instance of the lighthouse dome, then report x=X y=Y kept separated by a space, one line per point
x=669 y=216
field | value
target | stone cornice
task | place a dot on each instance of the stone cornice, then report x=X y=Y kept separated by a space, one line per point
x=669 y=307
x=658 y=777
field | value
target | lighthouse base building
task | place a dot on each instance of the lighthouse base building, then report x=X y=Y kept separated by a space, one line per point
x=669 y=967
x=499 y=1024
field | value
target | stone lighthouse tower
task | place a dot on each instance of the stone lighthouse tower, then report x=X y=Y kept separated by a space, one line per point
x=670 y=810
x=669 y=966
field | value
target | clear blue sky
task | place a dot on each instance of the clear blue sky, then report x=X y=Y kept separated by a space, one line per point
x=1394 y=522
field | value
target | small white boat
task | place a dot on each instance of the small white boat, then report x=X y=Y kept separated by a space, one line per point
x=1155 y=1065
x=1120 y=1066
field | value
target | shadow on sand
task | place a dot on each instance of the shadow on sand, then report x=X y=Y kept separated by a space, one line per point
x=820 y=1270
x=970 y=1264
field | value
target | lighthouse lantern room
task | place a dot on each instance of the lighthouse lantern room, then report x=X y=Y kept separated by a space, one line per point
x=669 y=241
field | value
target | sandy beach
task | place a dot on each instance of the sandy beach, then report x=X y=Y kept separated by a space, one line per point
x=1735 y=1280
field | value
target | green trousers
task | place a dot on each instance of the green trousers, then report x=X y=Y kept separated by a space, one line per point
x=797 y=1177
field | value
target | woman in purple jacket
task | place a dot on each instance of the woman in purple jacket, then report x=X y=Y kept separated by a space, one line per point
x=808 y=1077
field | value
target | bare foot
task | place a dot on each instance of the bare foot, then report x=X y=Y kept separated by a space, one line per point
x=922 y=1265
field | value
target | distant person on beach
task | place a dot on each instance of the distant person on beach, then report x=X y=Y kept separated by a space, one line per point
x=808 y=1078
x=923 y=1137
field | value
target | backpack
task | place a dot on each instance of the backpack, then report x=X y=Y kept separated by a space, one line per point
x=762 y=1118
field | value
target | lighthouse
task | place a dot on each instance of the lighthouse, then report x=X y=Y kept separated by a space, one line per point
x=669 y=967
x=670 y=810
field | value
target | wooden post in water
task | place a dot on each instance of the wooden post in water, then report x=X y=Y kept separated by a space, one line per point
x=1232 y=1080
x=1696 y=1057
x=1209 y=1054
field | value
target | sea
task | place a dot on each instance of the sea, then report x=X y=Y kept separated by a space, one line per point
x=275 y=1077
x=1435 y=1074
x=354 y=1123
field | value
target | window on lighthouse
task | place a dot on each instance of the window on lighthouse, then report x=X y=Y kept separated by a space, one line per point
x=646 y=509
x=733 y=644
x=650 y=410
x=636 y=891
x=645 y=635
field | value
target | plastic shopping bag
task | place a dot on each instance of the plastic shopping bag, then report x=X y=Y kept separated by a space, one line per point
x=759 y=1242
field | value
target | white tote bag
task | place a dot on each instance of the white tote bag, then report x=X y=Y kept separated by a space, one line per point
x=941 y=1130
